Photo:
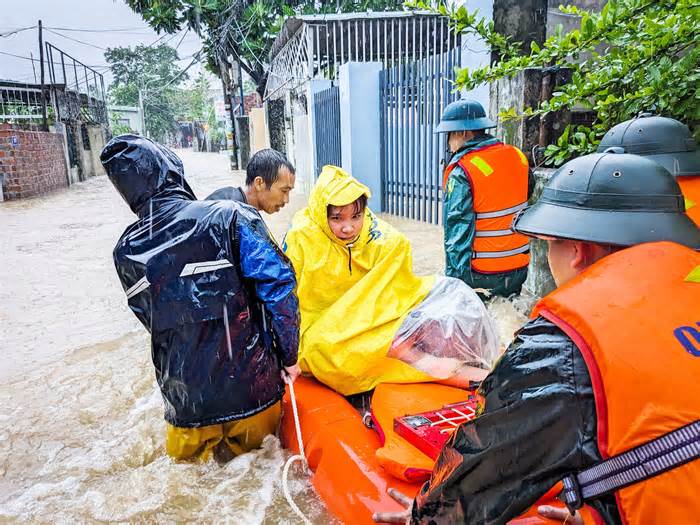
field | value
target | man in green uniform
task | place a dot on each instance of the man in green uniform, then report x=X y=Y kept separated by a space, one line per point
x=485 y=184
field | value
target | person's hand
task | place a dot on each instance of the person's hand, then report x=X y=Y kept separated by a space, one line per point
x=560 y=514
x=290 y=373
x=403 y=516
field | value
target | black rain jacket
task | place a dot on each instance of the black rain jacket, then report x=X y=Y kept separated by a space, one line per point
x=208 y=283
x=538 y=425
x=228 y=193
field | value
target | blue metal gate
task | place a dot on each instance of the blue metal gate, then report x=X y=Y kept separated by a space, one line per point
x=327 y=128
x=413 y=96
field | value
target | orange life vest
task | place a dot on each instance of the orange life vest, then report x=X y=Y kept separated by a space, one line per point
x=498 y=176
x=690 y=186
x=635 y=317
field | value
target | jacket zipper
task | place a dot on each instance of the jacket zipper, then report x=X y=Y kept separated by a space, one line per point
x=349 y=247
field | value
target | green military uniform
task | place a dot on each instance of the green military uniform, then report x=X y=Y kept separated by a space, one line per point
x=459 y=221
x=459 y=215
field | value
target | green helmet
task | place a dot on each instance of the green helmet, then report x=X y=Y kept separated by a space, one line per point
x=662 y=139
x=464 y=115
x=611 y=198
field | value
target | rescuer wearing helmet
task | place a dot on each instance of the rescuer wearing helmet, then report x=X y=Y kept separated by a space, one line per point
x=667 y=142
x=608 y=363
x=485 y=184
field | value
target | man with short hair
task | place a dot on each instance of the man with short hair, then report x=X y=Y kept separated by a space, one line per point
x=269 y=179
x=485 y=184
x=609 y=363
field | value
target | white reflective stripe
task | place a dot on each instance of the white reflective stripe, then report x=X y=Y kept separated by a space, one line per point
x=501 y=213
x=493 y=233
x=141 y=285
x=203 y=267
x=498 y=255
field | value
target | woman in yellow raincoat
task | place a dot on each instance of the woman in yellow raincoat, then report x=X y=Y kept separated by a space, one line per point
x=355 y=290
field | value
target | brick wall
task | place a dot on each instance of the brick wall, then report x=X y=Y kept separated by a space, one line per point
x=31 y=162
x=250 y=101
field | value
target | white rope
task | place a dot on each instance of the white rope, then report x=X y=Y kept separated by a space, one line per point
x=298 y=457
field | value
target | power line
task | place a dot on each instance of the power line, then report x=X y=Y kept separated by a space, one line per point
x=55 y=63
x=183 y=37
x=125 y=30
x=196 y=59
x=105 y=49
x=76 y=40
x=18 y=56
x=16 y=30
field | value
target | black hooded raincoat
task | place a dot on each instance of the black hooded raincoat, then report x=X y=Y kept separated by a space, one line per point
x=209 y=284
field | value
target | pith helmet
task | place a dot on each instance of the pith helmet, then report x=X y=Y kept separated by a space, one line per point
x=611 y=198
x=662 y=139
x=464 y=115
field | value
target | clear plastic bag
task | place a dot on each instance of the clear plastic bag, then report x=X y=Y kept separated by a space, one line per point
x=450 y=334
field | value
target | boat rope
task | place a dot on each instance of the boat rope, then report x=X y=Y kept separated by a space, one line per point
x=298 y=457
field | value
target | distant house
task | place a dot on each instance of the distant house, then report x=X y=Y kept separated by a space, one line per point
x=129 y=116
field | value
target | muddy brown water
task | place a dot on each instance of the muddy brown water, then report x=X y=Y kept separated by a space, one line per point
x=81 y=418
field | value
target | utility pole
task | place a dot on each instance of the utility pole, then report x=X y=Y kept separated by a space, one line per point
x=226 y=70
x=240 y=86
x=142 y=113
x=31 y=55
x=43 y=86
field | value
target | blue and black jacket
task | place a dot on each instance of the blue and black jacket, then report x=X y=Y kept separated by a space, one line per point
x=208 y=283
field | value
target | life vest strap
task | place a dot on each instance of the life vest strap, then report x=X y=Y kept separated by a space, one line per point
x=664 y=453
x=501 y=213
x=506 y=253
x=493 y=233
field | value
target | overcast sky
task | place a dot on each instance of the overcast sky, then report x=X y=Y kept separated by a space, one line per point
x=97 y=20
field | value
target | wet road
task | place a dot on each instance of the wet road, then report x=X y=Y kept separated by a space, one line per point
x=81 y=420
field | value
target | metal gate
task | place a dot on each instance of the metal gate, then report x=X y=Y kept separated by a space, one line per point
x=413 y=96
x=327 y=128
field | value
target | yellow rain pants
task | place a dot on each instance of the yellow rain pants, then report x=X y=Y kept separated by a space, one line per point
x=240 y=436
x=353 y=296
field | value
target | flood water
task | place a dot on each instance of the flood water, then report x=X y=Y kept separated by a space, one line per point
x=81 y=418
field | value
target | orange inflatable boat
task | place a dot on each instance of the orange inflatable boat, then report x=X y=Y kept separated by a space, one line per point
x=353 y=466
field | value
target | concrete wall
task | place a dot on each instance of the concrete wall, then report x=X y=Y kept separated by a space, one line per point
x=303 y=148
x=259 y=136
x=539 y=278
x=60 y=129
x=523 y=20
x=88 y=154
x=522 y=91
x=96 y=134
x=129 y=113
x=360 y=131
x=31 y=163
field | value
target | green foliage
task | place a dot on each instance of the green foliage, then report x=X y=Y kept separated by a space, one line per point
x=198 y=104
x=154 y=72
x=248 y=27
x=633 y=56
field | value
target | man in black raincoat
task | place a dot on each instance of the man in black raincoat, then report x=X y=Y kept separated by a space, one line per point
x=217 y=296
x=538 y=424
